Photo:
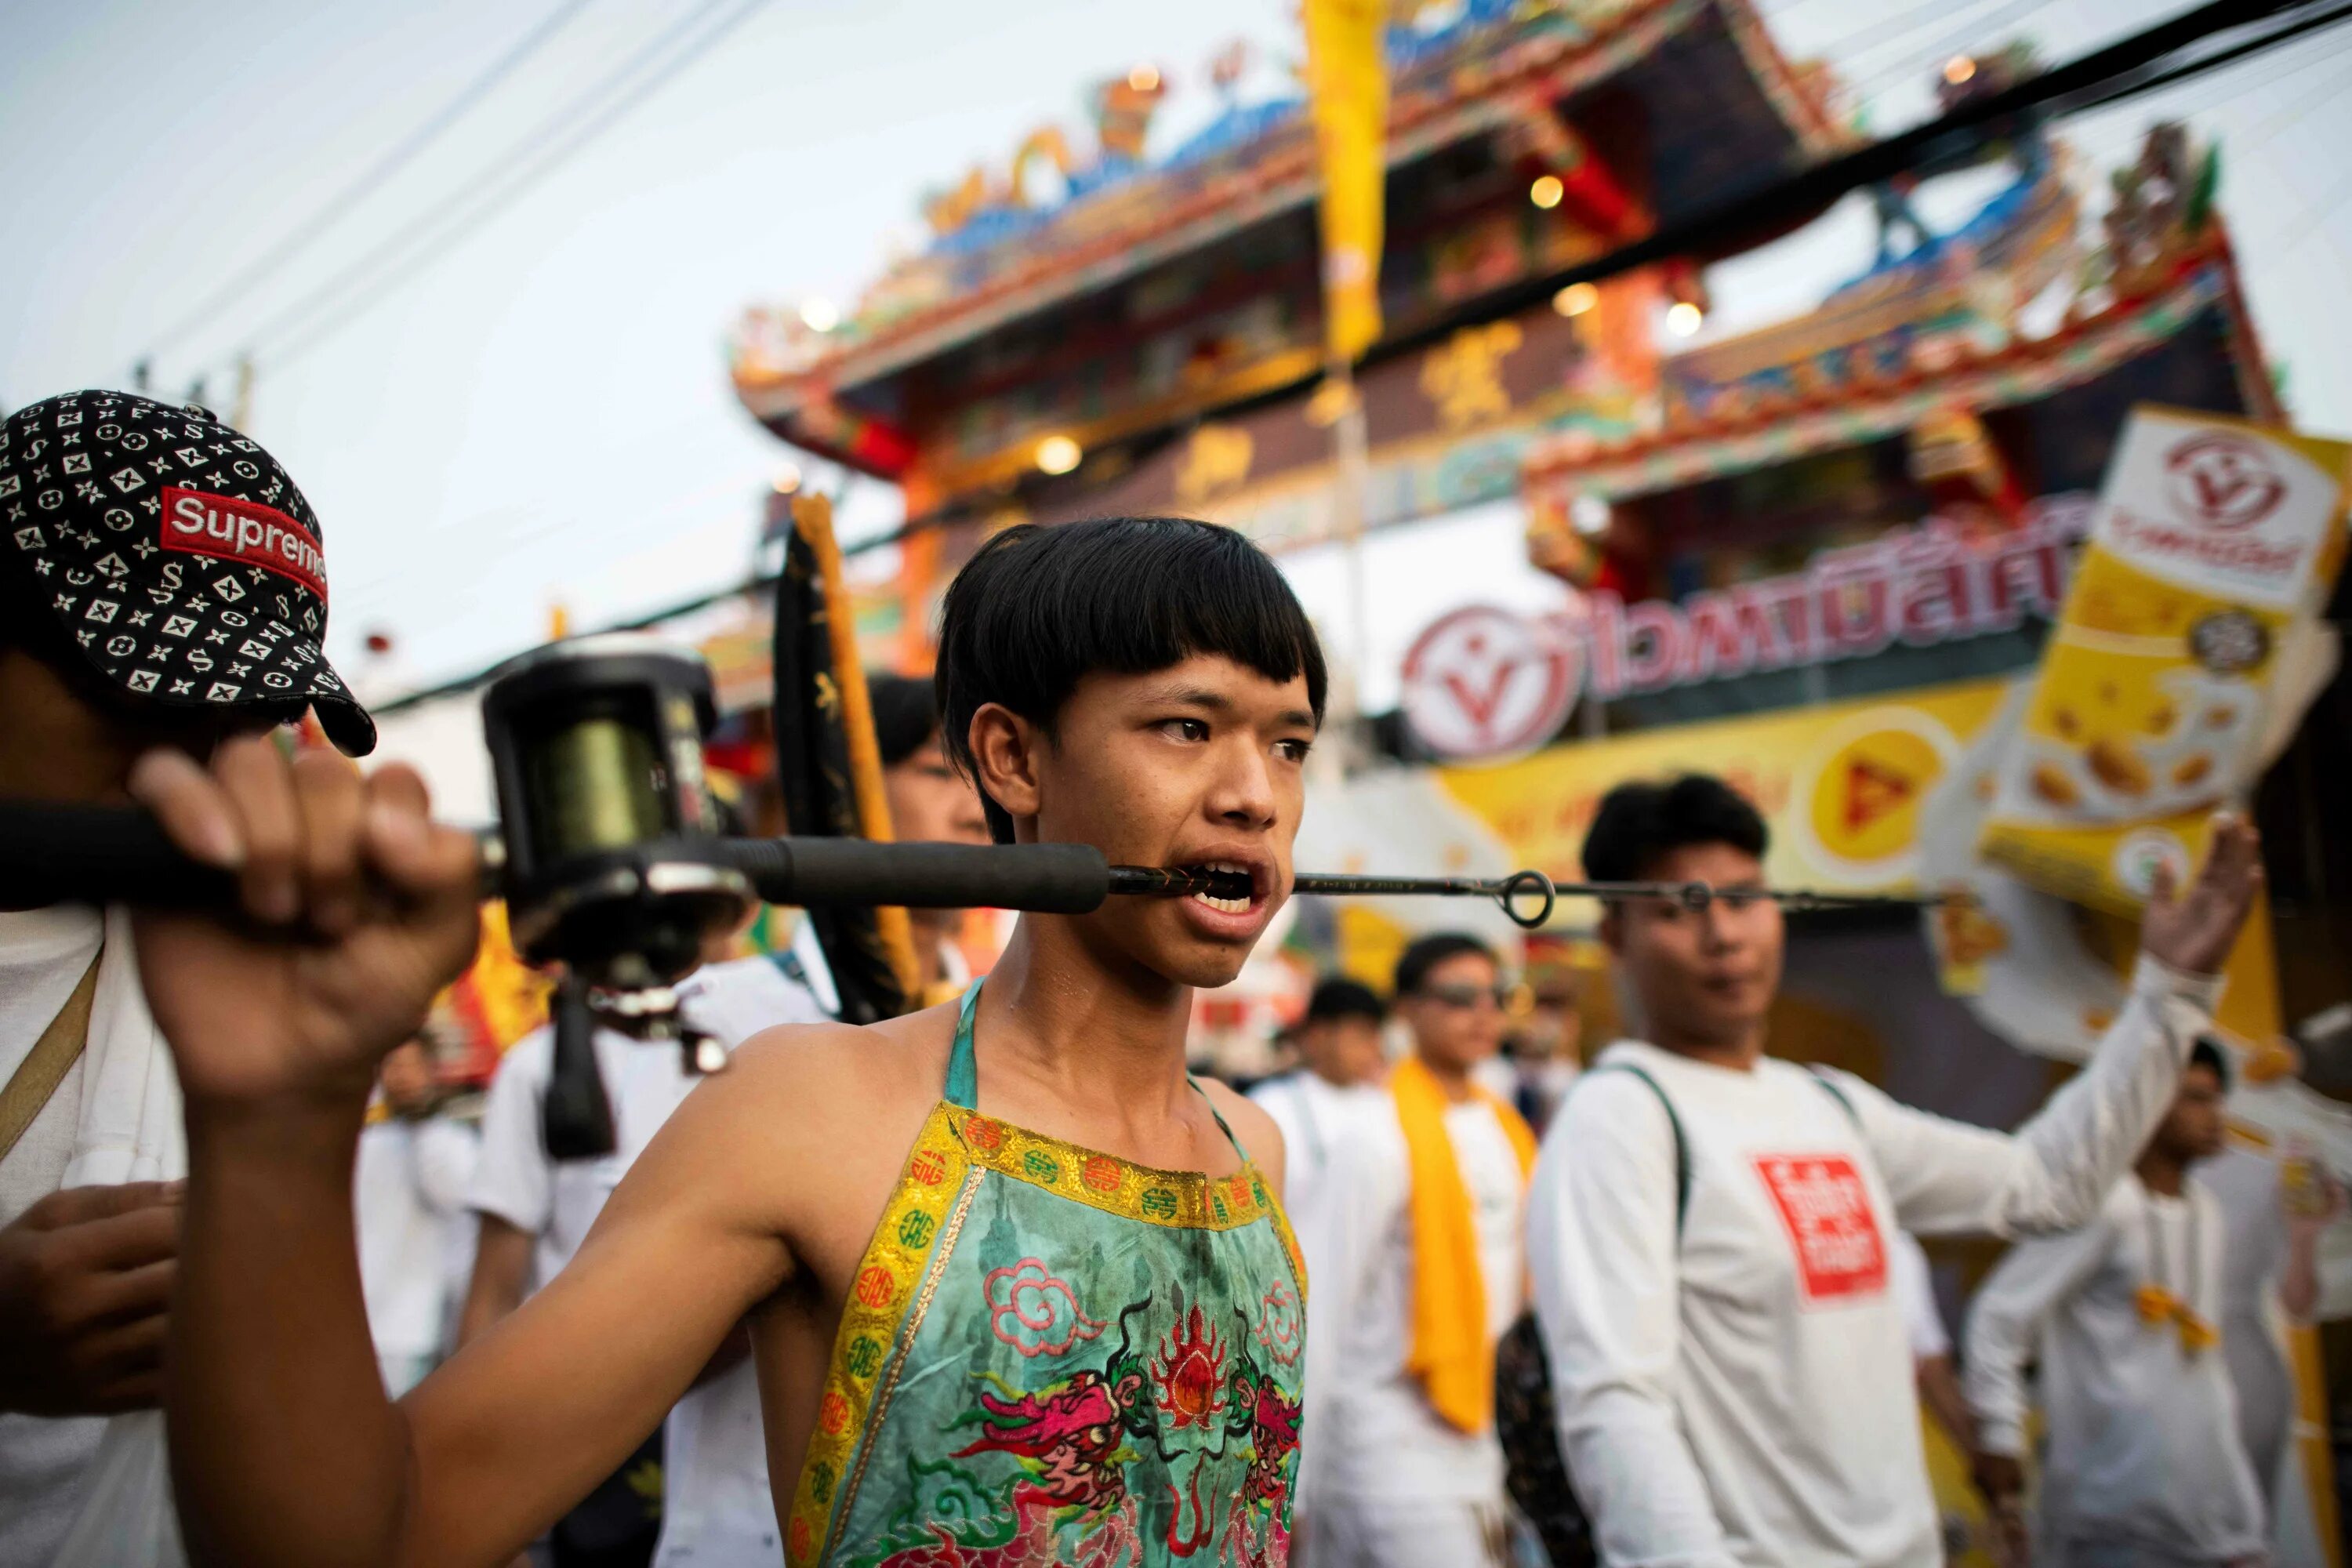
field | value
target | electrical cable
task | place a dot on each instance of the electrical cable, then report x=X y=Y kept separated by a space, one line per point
x=1945 y=46
x=552 y=143
x=491 y=192
x=333 y=210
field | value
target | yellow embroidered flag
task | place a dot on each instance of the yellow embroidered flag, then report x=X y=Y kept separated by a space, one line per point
x=1347 y=79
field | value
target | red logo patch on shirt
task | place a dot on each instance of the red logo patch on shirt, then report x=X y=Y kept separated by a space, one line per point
x=1826 y=1208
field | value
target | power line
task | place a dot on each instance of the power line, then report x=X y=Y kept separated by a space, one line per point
x=1891 y=29
x=2222 y=90
x=1944 y=47
x=371 y=181
x=559 y=134
x=588 y=115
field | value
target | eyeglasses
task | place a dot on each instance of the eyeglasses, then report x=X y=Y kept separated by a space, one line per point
x=1468 y=996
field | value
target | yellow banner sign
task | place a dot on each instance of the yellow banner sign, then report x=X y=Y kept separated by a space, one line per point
x=1842 y=783
x=2210 y=539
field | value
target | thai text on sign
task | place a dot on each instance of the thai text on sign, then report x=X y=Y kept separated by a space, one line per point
x=1482 y=682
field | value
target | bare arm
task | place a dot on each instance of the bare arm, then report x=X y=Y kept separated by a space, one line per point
x=2053 y=1174
x=1939 y=1391
x=501 y=1271
x=284 y=1446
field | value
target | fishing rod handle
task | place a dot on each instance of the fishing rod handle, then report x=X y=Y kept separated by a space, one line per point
x=1040 y=878
x=117 y=854
x=52 y=854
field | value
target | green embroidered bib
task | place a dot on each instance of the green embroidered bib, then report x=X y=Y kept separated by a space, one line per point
x=1052 y=1357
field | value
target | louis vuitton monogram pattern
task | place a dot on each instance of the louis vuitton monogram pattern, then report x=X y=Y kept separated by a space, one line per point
x=174 y=552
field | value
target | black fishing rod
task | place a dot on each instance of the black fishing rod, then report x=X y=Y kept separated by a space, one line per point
x=610 y=858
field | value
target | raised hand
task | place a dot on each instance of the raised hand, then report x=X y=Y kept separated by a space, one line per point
x=355 y=910
x=2194 y=931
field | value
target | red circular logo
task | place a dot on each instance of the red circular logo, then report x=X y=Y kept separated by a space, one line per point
x=2222 y=481
x=1484 y=682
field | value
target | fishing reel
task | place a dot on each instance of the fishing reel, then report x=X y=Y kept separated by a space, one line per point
x=613 y=858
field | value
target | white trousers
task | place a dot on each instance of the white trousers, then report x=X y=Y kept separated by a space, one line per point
x=1372 y=1532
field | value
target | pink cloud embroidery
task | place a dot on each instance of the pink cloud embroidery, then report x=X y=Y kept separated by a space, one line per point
x=1034 y=1312
x=1279 y=1327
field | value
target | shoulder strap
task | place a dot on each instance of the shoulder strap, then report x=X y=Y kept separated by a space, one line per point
x=52 y=1057
x=1682 y=1146
x=964 y=1074
x=1222 y=1126
x=1829 y=1086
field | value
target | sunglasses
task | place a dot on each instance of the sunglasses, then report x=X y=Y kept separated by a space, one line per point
x=1467 y=996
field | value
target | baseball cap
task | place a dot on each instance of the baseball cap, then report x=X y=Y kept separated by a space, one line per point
x=175 y=553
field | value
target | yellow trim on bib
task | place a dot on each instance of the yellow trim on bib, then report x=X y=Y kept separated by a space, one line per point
x=878 y=1323
x=1182 y=1200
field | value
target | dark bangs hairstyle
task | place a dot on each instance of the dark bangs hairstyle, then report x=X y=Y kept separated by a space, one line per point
x=1038 y=608
x=1640 y=824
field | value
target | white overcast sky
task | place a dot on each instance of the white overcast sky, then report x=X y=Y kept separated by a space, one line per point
x=539 y=411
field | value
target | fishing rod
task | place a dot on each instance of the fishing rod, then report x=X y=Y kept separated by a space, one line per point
x=611 y=860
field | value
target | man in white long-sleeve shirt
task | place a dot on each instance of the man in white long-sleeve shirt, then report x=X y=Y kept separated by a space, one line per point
x=2144 y=1465
x=1708 y=1226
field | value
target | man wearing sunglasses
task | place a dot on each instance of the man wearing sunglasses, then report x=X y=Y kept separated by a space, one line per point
x=1416 y=1259
x=1709 y=1227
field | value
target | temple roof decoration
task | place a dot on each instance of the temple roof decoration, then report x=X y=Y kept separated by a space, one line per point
x=1939 y=331
x=1721 y=107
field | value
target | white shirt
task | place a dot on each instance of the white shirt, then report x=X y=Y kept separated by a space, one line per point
x=1369 y=1431
x=115 y=1117
x=1312 y=1113
x=717 y=1508
x=408 y=1194
x=1743 y=1394
x=2254 y=1247
x=2143 y=1434
x=1914 y=1294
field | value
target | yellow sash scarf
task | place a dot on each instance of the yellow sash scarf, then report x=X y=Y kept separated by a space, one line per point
x=1451 y=1354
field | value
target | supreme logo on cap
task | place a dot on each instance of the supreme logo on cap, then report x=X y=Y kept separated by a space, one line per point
x=200 y=523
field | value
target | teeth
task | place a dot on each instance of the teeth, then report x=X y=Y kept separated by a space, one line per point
x=1228 y=906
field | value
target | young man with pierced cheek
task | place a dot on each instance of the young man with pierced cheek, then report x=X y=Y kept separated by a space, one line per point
x=1019 y=1290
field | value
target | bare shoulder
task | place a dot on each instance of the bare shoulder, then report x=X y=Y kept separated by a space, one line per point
x=899 y=1058
x=803 y=1102
x=1256 y=1130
